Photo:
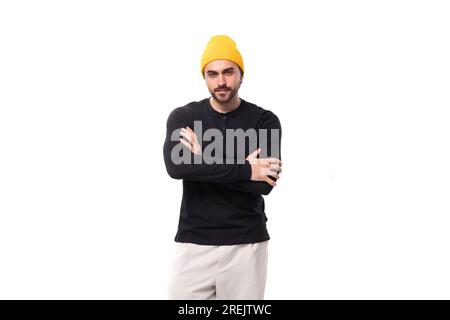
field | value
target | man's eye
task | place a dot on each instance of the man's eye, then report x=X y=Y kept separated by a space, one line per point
x=229 y=72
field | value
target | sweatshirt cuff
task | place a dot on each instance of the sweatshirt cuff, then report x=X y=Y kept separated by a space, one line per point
x=246 y=171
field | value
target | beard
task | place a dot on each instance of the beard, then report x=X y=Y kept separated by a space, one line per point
x=224 y=97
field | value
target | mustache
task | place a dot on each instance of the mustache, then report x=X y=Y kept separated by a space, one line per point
x=222 y=89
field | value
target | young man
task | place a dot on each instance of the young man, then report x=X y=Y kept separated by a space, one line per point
x=222 y=239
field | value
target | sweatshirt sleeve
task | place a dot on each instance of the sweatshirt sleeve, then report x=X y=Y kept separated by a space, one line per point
x=195 y=169
x=269 y=121
x=255 y=187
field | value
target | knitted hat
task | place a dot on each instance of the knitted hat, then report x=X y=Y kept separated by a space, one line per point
x=221 y=47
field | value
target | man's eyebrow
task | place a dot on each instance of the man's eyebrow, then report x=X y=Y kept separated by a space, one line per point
x=224 y=70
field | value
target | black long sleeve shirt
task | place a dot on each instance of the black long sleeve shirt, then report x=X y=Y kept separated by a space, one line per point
x=220 y=204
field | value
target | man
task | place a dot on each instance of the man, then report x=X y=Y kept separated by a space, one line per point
x=222 y=239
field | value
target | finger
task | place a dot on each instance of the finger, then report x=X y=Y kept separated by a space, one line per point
x=187 y=135
x=192 y=136
x=270 y=181
x=183 y=130
x=274 y=174
x=255 y=153
x=270 y=161
x=275 y=167
x=190 y=130
x=187 y=144
x=275 y=160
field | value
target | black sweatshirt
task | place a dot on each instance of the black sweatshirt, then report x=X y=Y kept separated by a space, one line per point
x=220 y=204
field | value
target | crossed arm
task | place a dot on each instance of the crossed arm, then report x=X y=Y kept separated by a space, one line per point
x=256 y=175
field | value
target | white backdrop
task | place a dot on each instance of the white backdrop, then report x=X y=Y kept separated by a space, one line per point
x=87 y=210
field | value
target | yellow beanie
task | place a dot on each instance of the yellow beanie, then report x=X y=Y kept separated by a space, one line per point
x=221 y=47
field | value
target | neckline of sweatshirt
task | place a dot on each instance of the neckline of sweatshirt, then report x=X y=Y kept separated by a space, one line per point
x=207 y=103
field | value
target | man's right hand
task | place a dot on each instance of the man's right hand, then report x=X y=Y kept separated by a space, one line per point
x=262 y=168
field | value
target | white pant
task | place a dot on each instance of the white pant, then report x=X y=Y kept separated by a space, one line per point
x=206 y=272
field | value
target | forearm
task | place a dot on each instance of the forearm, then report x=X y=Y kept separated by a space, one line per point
x=222 y=173
x=181 y=163
x=254 y=187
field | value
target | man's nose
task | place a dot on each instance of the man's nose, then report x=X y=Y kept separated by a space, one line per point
x=221 y=80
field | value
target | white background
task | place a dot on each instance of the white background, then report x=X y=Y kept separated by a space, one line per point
x=87 y=210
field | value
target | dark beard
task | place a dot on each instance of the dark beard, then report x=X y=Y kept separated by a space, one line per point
x=233 y=93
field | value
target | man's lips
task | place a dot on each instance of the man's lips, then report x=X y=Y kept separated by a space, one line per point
x=222 y=90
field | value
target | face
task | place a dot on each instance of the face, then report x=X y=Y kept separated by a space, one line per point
x=223 y=79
